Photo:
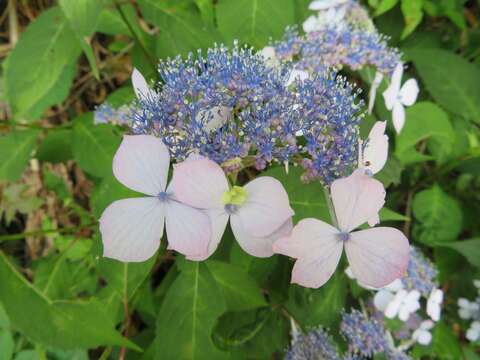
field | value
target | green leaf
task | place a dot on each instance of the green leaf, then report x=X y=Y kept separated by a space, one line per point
x=125 y=278
x=52 y=44
x=307 y=200
x=182 y=29
x=254 y=21
x=384 y=6
x=240 y=290
x=424 y=120
x=82 y=16
x=390 y=215
x=93 y=146
x=56 y=146
x=469 y=248
x=313 y=307
x=253 y=334
x=62 y=324
x=451 y=80
x=6 y=338
x=439 y=216
x=15 y=150
x=445 y=344
x=188 y=314
x=413 y=15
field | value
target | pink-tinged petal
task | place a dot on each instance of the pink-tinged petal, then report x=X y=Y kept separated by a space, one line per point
x=409 y=92
x=199 y=182
x=140 y=86
x=316 y=269
x=131 y=228
x=377 y=256
x=141 y=164
x=392 y=93
x=398 y=117
x=218 y=222
x=256 y=245
x=305 y=239
x=266 y=208
x=357 y=199
x=188 y=229
x=375 y=153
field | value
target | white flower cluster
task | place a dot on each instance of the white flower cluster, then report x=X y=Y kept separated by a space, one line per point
x=470 y=310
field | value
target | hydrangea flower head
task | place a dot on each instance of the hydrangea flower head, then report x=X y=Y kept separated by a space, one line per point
x=315 y=344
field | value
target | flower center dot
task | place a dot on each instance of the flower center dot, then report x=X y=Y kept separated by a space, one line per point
x=344 y=236
x=163 y=196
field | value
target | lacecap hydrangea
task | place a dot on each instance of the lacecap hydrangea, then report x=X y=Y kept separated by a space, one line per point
x=235 y=109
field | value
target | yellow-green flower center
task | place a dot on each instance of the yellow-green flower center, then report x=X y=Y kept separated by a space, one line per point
x=235 y=196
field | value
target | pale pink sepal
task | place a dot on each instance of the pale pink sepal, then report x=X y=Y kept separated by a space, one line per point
x=378 y=256
x=141 y=164
x=131 y=228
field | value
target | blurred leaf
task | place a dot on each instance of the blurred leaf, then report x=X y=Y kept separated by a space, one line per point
x=29 y=355
x=110 y=22
x=182 y=29
x=384 y=6
x=439 y=216
x=258 y=268
x=6 y=338
x=445 y=343
x=206 y=10
x=423 y=120
x=93 y=146
x=469 y=248
x=314 y=307
x=240 y=290
x=56 y=146
x=109 y=190
x=62 y=324
x=253 y=334
x=15 y=198
x=413 y=14
x=254 y=21
x=82 y=16
x=390 y=215
x=52 y=44
x=391 y=172
x=15 y=150
x=188 y=314
x=451 y=80
x=307 y=200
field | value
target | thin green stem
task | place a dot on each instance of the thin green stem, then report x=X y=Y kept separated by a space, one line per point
x=23 y=235
x=331 y=209
x=147 y=54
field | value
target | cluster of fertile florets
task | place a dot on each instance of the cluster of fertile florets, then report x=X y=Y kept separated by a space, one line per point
x=231 y=107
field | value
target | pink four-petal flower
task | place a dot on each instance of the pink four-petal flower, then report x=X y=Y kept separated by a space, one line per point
x=131 y=228
x=377 y=256
x=262 y=218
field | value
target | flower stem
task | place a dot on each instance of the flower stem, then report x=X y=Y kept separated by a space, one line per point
x=331 y=209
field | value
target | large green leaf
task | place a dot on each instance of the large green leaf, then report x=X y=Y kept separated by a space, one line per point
x=314 y=307
x=254 y=21
x=182 y=29
x=15 y=150
x=424 y=120
x=307 y=200
x=82 y=17
x=50 y=42
x=62 y=324
x=188 y=314
x=6 y=338
x=124 y=279
x=469 y=248
x=240 y=290
x=93 y=146
x=452 y=80
x=413 y=15
x=439 y=216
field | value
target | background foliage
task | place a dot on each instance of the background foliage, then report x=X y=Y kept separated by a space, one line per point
x=59 y=299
